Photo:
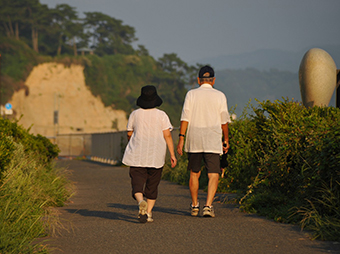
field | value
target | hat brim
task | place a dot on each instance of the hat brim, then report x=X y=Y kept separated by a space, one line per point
x=149 y=104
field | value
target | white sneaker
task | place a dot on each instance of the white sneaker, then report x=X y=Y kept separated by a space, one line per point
x=149 y=219
x=208 y=211
x=195 y=209
x=142 y=216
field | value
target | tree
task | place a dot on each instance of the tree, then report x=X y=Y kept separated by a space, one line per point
x=142 y=51
x=109 y=35
x=64 y=23
x=12 y=15
x=74 y=32
x=39 y=18
x=173 y=65
x=6 y=12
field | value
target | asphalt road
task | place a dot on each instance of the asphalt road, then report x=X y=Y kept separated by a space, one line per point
x=102 y=218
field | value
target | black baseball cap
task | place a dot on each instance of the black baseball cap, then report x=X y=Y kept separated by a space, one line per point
x=206 y=72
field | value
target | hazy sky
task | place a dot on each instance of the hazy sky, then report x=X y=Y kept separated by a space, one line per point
x=195 y=29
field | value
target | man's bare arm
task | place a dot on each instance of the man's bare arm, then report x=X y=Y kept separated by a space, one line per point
x=225 y=130
x=129 y=134
x=182 y=130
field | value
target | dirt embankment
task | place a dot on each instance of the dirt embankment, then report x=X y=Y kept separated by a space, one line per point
x=54 y=87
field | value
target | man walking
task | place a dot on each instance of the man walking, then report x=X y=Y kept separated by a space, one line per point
x=204 y=119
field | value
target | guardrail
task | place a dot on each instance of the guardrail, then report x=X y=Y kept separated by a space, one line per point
x=106 y=147
x=73 y=145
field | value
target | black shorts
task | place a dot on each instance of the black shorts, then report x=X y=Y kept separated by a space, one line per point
x=211 y=162
x=146 y=181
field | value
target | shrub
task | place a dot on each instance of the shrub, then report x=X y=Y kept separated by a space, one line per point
x=285 y=160
x=6 y=151
x=28 y=189
x=29 y=185
x=39 y=145
x=322 y=216
x=285 y=155
x=179 y=174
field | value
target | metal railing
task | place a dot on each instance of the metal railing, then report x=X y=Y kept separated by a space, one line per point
x=106 y=147
x=73 y=145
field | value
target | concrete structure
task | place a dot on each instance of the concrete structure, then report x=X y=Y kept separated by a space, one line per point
x=317 y=77
x=85 y=50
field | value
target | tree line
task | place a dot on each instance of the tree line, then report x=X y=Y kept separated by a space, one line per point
x=61 y=33
x=60 y=30
x=53 y=31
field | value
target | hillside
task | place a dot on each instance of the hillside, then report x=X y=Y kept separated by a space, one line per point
x=240 y=86
x=96 y=62
x=266 y=59
x=53 y=87
x=92 y=93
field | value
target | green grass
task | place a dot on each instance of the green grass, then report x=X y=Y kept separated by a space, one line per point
x=28 y=189
x=322 y=216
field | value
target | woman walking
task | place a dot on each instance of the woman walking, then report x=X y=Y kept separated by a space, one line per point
x=149 y=132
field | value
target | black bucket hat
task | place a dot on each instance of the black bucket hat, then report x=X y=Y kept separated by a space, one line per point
x=149 y=98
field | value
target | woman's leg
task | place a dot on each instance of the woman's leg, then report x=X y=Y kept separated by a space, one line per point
x=138 y=177
x=151 y=204
x=151 y=187
x=139 y=197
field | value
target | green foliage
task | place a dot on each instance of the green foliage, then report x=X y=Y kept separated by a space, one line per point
x=285 y=160
x=6 y=151
x=17 y=60
x=11 y=133
x=110 y=35
x=60 y=30
x=322 y=215
x=27 y=190
x=31 y=33
x=29 y=185
x=282 y=156
x=118 y=80
x=179 y=174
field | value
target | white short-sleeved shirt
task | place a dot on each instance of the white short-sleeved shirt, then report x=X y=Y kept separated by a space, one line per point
x=205 y=108
x=147 y=146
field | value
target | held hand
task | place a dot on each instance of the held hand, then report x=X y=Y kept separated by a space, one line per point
x=180 y=147
x=226 y=147
x=173 y=161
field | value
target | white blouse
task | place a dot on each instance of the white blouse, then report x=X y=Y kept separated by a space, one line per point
x=147 y=146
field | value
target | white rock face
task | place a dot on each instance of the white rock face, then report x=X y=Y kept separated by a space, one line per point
x=317 y=77
x=53 y=87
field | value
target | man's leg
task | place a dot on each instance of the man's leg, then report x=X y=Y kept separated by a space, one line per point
x=194 y=185
x=194 y=165
x=212 y=187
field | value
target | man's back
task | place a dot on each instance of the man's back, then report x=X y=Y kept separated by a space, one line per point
x=205 y=109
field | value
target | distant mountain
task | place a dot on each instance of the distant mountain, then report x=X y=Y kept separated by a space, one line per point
x=266 y=74
x=240 y=86
x=266 y=59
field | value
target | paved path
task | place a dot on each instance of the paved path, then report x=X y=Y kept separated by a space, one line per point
x=103 y=217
